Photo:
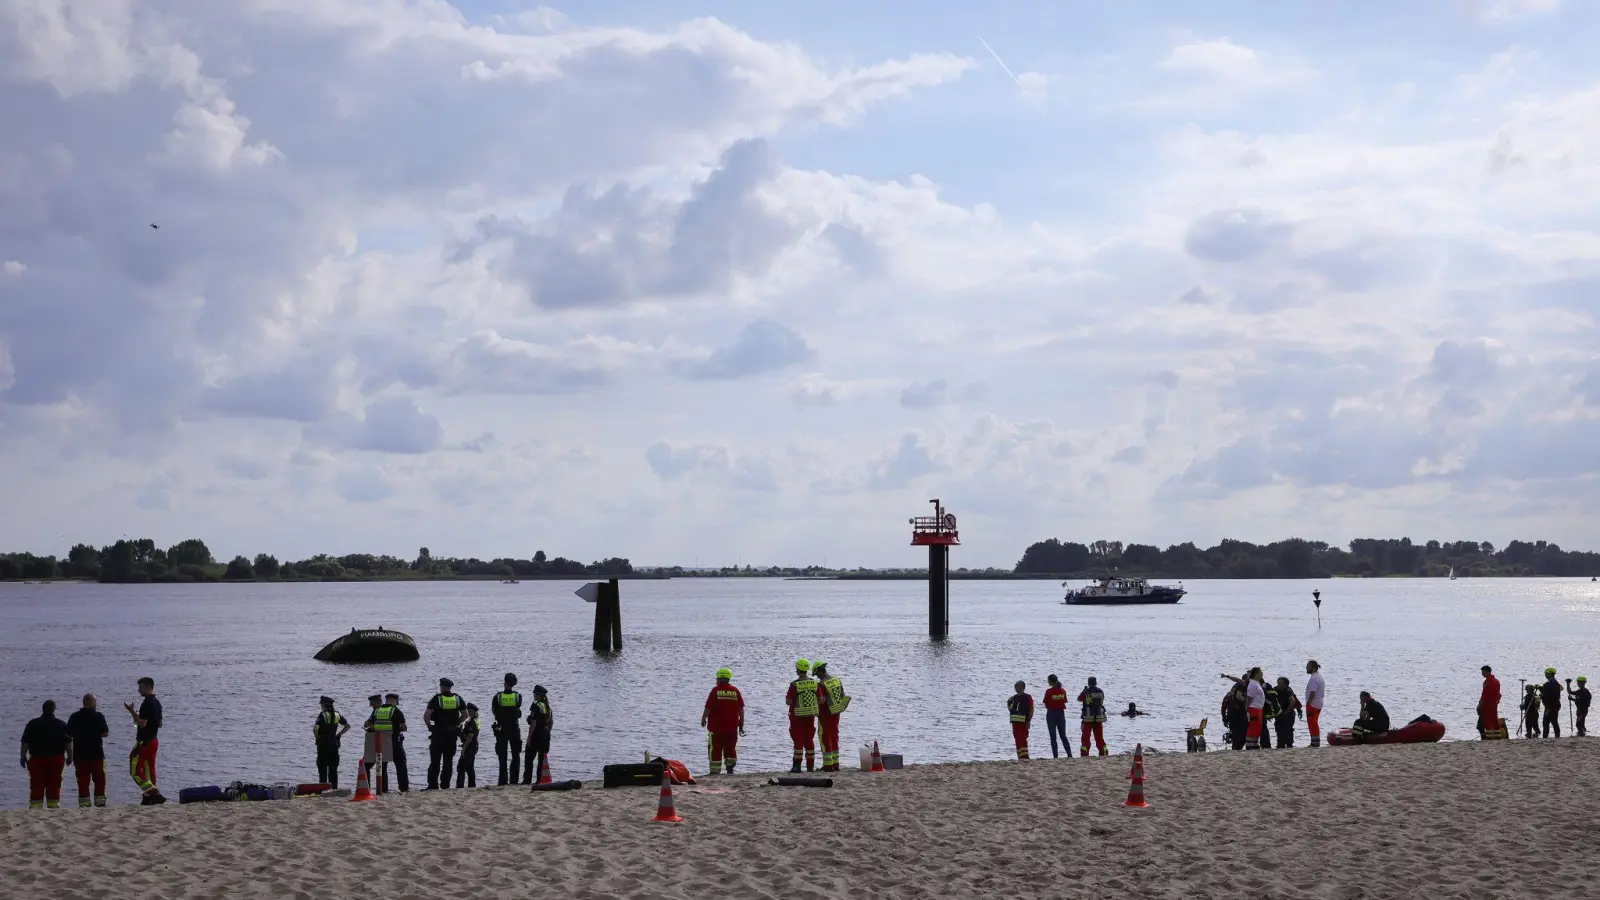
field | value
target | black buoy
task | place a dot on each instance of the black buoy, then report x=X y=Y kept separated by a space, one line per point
x=371 y=645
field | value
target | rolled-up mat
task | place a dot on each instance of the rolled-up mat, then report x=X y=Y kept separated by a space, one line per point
x=801 y=781
x=558 y=786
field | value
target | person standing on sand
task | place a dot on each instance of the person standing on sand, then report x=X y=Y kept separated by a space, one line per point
x=1489 y=704
x=1020 y=708
x=1055 y=716
x=46 y=750
x=1255 y=708
x=831 y=704
x=88 y=730
x=379 y=742
x=723 y=720
x=1530 y=711
x=467 y=766
x=443 y=718
x=540 y=723
x=1316 y=694
x=147 y=725
x=1235 y=715
x=402 y=776
x=326 y=732
x=1093 y=716
x=1580 y=702
x=1550 y=699
x=1288 y=706
x=802 y=703
x=506 y=708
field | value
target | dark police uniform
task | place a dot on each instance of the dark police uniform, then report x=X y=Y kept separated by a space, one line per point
x=467 y=766
x=328 y=722
x=507 y=709
x=538 y=737
x=448 y=710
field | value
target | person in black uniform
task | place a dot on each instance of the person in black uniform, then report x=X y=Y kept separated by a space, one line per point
x=507 y=727
x=540 y=721
x=327 y=730
x=443 y=718
x=1580 y=701
x=401 y=776
x=467 y=766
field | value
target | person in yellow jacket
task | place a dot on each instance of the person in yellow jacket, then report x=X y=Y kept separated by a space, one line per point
x=831 y=704
x=803 y=709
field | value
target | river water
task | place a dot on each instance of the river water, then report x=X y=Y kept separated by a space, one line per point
x=234 y=669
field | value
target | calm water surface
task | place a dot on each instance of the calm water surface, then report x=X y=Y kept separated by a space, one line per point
x=234 y=670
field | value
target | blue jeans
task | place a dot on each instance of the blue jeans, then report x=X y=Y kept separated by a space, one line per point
x=1055 y=721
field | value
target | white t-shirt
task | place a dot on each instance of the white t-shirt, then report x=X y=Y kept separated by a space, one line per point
x=1258 y=695
x=1315 y=692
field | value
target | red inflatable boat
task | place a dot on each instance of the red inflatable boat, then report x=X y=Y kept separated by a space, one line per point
x=1415 y=733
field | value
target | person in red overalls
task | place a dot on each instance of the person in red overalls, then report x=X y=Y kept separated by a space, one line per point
x=1020 y=706
x=723 y=719
x=832 y=701
x=803 y=708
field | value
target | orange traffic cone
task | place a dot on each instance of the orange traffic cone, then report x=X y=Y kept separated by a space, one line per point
x=877 y=758
x=665 y=811
x=544 y=770
x=363 y=790
x=1136 y=790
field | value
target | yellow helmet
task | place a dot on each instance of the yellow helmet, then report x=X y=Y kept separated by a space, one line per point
x=725 y=672
x=802 y=665
x=1583 y=679
x=817 y=664
x=1550 y=670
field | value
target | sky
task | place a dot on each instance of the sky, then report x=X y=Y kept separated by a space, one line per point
x=750 y=283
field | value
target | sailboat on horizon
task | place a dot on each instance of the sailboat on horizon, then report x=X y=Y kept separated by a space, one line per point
x=1452 y=573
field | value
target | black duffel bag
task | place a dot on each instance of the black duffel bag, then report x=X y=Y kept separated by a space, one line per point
x=645 y=774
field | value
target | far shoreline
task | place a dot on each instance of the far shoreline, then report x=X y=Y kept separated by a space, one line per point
x=906 y=575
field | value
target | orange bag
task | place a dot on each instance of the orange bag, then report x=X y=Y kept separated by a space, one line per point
x=677 y=772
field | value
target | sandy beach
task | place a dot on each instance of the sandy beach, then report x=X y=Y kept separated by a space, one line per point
x=1462 y=820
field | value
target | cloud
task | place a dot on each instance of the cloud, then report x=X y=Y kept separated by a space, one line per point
x=761 y=346
x=937 y=393
x=712 y=463
x=623 y=243
x=1236 y=235
x=392 y=424
x=477 y=265
x=1503 y=11
x=908 y=462
x=14 y=269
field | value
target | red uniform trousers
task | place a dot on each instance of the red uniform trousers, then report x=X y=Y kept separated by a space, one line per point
x=803 y=732
x=1019 y=733
x=142 y=765
x=830 y=742
x=1313 y=725
x=90 y=770
x=1252 y=734
x=1097 y=730
x=44 y=780
x=724 y=745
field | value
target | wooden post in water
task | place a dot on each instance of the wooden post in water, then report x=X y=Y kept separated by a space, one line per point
x=602 y=620
x=938 y=533
x=616 y=614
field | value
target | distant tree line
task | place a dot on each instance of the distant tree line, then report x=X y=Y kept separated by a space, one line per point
x=1299 y=558
x=131 y=561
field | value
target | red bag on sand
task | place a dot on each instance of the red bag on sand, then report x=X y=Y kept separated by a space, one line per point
x=677 y=772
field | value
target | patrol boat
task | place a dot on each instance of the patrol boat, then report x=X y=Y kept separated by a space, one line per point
x=1122 y=590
